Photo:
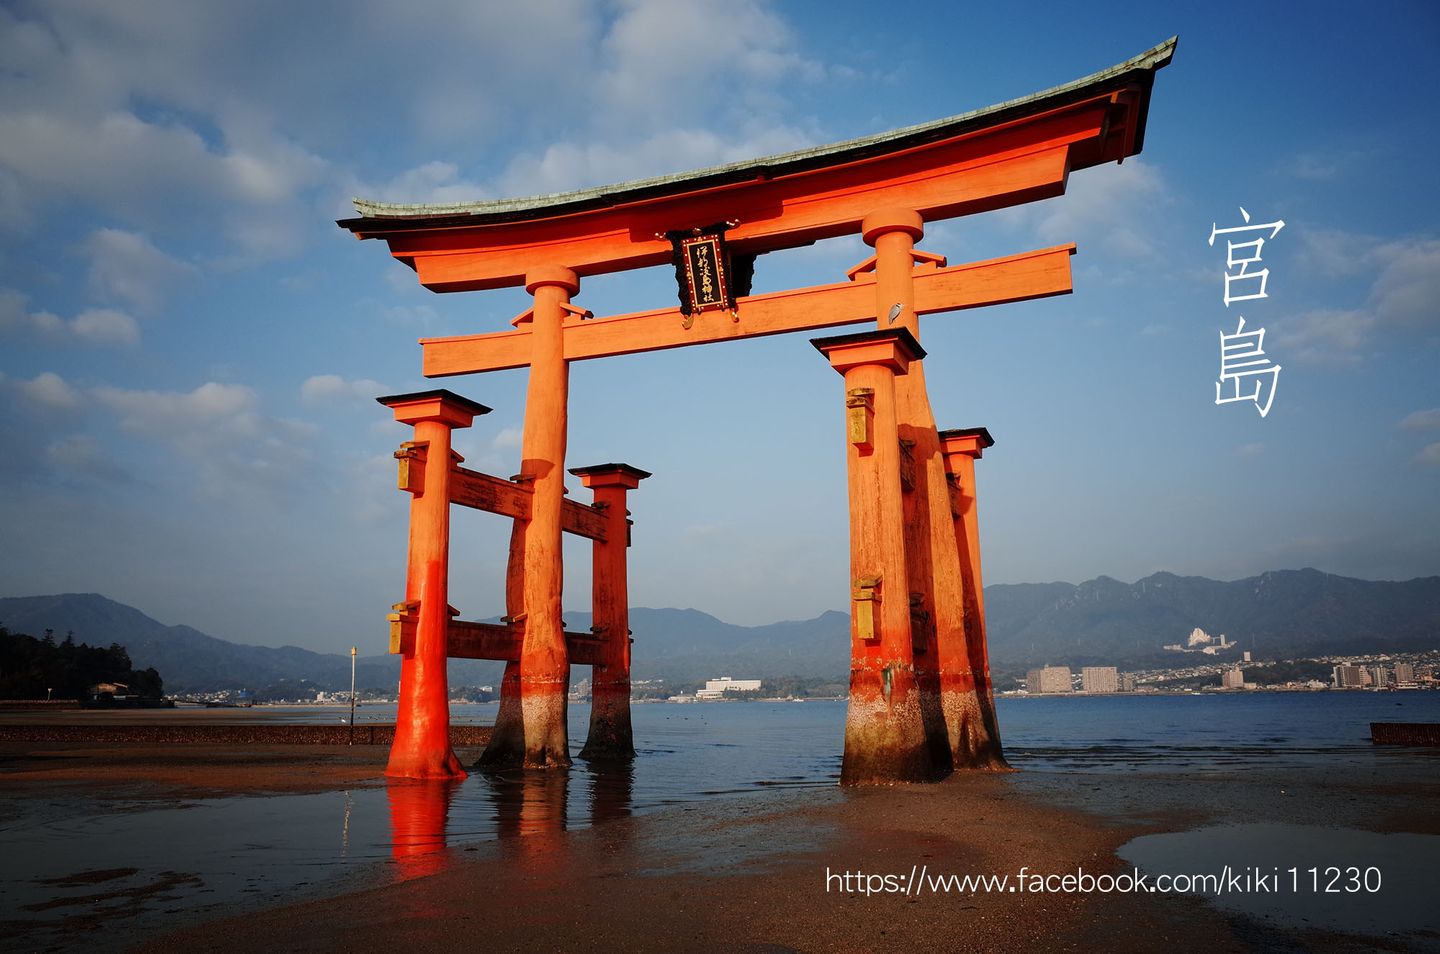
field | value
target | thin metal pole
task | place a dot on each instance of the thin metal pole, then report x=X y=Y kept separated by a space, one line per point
x=353 y=651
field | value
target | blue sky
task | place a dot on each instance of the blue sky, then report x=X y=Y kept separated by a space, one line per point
x=189 y=348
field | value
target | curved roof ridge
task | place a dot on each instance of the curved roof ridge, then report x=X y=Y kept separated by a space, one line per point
x=1150 y=60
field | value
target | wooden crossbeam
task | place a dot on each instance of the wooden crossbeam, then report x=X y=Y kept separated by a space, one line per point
x=469 y=640
x=470 y=488
x=1037 y=274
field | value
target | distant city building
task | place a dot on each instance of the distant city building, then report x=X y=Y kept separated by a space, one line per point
x=1379 y=676
x=1100 y=679
x=1404 y=674
x=1246 y=656
x=1048 y=680
x=1127 y=682
x=1200 y=641
x=1349 y=677
x=716 y=688
x=1232 y=678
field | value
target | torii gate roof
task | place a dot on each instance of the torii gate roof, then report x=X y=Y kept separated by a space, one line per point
x=1001 y=155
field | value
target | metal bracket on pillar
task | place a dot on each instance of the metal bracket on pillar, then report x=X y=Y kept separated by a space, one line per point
x=864 y=596
x=860 y=418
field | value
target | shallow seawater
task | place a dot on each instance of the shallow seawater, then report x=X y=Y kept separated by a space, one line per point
x=147 y=865
x=143 y=862
x=1302 y=876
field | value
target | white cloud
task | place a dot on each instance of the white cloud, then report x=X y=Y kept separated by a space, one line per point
x=1109 y=210
x=564 y=166
x=125 y=266
x=228 y=407
x=1403 y=295
x=507 y=439
x=1430 y=455
x=49 y=390
x=157 y=115
x=666 y=57
x=1422 y=420
x=93 y=326
x=434 y=181
x=1407 y=292
x=1323 y=336
x=237 y=451
x=105 y=326
x=327 y=388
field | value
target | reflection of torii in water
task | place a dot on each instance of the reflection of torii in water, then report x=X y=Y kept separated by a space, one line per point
x=920 y=695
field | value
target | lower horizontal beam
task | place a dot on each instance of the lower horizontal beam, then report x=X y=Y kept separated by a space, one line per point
x=467 y=640
x=470 y=488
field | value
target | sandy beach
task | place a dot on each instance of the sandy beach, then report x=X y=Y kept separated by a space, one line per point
x=760 y=872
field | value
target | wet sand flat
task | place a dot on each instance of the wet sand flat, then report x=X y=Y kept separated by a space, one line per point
x=756 y=880
x=765 y=871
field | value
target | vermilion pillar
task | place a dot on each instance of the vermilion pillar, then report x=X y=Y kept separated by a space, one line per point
x=893 y=233
x=885 y=738
x=611 y=736
x=422 y=723
x=953 y=705
x=962 y=447
x=542 y=676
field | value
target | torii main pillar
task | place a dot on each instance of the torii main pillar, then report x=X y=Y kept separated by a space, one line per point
x=886 y=738
x=534 y=733
x=961 y=724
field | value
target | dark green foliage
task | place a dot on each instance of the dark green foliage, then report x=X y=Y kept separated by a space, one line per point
x=33 y=668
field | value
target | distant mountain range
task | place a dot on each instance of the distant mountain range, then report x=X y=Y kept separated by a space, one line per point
x=1280 y=614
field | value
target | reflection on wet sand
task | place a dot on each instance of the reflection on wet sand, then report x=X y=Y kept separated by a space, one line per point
x=419 y=811
x=612 y=787
x=530 y=809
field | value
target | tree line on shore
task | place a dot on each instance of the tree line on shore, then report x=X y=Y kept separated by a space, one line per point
x=44 y=668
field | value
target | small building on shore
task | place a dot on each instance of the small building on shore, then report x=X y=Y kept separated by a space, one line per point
x=717 y=688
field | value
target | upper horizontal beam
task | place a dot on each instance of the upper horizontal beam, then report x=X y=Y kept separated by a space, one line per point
x=1001 y=155
x=771 y=214
x=1036 y=274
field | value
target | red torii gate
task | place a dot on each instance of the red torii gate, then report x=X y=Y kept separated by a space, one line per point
x=920 y=695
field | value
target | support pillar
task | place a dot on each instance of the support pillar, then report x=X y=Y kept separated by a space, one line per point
x=954 y=710
x=539 y=739
x=611 y=735
x=885 y=738
x=962 y=447
x=421 y=748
